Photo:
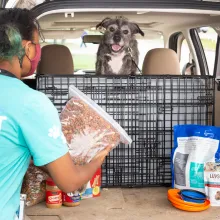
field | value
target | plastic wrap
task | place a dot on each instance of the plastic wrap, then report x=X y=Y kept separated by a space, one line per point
x=88 y=128
x=34 y=185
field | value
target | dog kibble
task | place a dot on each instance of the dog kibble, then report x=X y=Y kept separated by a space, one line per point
x=86 y=131
x=34 y=185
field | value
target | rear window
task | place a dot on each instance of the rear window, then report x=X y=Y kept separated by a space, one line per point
x=84 y=55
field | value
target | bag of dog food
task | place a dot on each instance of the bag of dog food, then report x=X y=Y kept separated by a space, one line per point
x=34 y=185
x=88 y=128
x=194 y=145
x=212 y=182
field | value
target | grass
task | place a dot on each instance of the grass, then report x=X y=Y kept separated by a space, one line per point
x=84 y=61
x=87 y=61
x=208 y=44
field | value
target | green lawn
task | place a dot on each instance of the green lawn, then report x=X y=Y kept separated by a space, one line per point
x=84 y=61
x=208 y=44
x=87 y=61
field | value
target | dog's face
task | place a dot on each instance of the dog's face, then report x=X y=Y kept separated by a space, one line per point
x=118 y=33
x=210 y=166
x=217 y=196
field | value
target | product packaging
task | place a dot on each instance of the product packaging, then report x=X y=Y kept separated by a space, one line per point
x=93 y=188
x=88 y=128
x=212 y=182
x=194 y=145
x=21 y=210
x=34 y=185
x=53 y=195
x=71 y=199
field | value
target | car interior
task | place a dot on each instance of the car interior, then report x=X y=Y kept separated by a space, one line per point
x=68 y=29
x=70 y=42
x=177 y=43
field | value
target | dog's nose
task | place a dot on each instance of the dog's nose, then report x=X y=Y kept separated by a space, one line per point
x=117 y=38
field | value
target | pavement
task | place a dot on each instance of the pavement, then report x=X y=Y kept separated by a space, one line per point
x=123 y=204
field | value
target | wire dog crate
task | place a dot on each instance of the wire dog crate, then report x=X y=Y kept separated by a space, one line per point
x=147 y=107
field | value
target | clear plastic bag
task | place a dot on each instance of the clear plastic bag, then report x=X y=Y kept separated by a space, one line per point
x=34 y=185
x=88 y=128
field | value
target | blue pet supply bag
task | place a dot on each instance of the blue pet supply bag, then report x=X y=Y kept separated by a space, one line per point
x=194 y=145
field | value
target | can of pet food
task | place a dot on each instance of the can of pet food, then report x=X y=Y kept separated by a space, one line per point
x=53 y=195
x=71 y=199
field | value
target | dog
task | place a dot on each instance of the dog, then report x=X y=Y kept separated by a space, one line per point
x=118 y=51
x=217 y=195
x=210 y=166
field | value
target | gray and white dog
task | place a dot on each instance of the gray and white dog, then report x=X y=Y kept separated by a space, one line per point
x=118 y=47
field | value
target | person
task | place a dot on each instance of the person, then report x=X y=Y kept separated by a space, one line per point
x=29 y=123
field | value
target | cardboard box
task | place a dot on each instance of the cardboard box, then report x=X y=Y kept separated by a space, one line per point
x=93 y=188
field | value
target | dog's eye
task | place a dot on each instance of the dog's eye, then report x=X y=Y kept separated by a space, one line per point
x=125 y=31
x=112 y=29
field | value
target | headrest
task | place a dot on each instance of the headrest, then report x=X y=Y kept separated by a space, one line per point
x=161 y=61
x=55 y=59
x=95 y=39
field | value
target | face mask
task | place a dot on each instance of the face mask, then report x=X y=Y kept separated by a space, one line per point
x=34 y=62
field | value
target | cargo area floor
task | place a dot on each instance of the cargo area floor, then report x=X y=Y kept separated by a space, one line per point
x=122 y=204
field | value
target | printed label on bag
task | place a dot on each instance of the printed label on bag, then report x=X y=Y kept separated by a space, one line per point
x=212 y=182
x=71 y=197
x=188 y=160
x=196 y=175
x=93 y=187
x=180 y=168
x=53 y=197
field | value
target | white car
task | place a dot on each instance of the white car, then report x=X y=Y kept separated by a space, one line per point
x=183 y=39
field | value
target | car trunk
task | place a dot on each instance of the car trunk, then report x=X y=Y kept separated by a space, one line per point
x=126 y=202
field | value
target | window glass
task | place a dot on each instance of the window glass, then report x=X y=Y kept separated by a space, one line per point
x=185 y=55
x=208 y=37
x=84 y=55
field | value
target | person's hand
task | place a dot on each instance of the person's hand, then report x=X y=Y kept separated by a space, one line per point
x=100 y=157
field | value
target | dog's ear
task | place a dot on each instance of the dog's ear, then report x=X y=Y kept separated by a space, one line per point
x=136 y=29
x=104 y=24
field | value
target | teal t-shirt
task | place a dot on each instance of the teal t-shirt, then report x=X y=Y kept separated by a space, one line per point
x=29 y=126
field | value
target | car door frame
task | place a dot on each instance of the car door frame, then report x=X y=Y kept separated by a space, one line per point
x=125 y=4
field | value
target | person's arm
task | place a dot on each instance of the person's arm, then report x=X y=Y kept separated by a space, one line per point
x=79 y=174
x=69 y=177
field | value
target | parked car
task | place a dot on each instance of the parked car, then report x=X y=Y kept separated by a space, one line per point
x=147 y=106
